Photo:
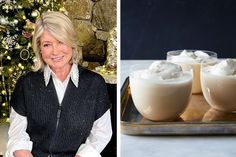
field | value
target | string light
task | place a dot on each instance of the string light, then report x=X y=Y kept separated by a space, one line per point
x=10 y=70
x=4 y=92
x=18 y=46
x=19 y=7
x=9 y=57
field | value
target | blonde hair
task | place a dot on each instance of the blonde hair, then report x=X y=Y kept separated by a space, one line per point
x=61 y=27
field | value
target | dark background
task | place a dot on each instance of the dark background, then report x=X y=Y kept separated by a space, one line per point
x=150 y=28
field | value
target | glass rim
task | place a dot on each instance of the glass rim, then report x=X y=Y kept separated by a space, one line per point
x=177 y=52
x=136 y=75
x=205 y=67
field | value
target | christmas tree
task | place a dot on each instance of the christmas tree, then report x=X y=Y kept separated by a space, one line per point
x=17 y=18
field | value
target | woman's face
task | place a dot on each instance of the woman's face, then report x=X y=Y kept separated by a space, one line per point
x=55 y=53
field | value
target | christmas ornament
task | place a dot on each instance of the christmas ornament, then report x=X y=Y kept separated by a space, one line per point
x=10 y=41
x=29 y=24
x=27 y=35
x=24 y=54
x=8 y=5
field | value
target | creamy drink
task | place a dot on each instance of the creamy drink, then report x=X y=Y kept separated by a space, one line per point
x=219 y=84
x=161 y=92
x=193 y=58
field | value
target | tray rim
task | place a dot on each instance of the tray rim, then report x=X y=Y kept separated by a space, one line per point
x=201 y=128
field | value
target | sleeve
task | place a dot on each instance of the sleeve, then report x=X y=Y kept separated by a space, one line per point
x=18 y=137
x=17 y=98
x=99 y=137
x=103 y=101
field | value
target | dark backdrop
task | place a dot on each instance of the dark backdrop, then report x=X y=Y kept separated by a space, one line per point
x=150 y=28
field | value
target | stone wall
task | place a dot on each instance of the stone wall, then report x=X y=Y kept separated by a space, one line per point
x=93 y=19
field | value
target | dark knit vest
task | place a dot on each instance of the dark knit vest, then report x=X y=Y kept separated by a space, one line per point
x=53 y=133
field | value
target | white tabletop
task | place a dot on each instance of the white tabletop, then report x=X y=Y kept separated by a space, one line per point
x=172 y=146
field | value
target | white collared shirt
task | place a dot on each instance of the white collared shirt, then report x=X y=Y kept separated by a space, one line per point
x=99 y=136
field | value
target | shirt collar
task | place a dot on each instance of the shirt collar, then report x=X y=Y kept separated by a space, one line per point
x=74 y=74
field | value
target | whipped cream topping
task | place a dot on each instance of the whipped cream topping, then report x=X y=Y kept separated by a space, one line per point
x=162 y=70
x=191 y=57
x=224 y=68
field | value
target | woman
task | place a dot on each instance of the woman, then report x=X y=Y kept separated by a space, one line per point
x=60 y=109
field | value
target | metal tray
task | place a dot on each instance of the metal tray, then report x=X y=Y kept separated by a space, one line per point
x=198 y=119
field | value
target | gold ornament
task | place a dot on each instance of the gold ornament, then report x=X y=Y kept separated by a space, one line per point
x=30 y=24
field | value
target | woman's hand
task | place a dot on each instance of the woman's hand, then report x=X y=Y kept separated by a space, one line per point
x=22 y=153
x=77 y=156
